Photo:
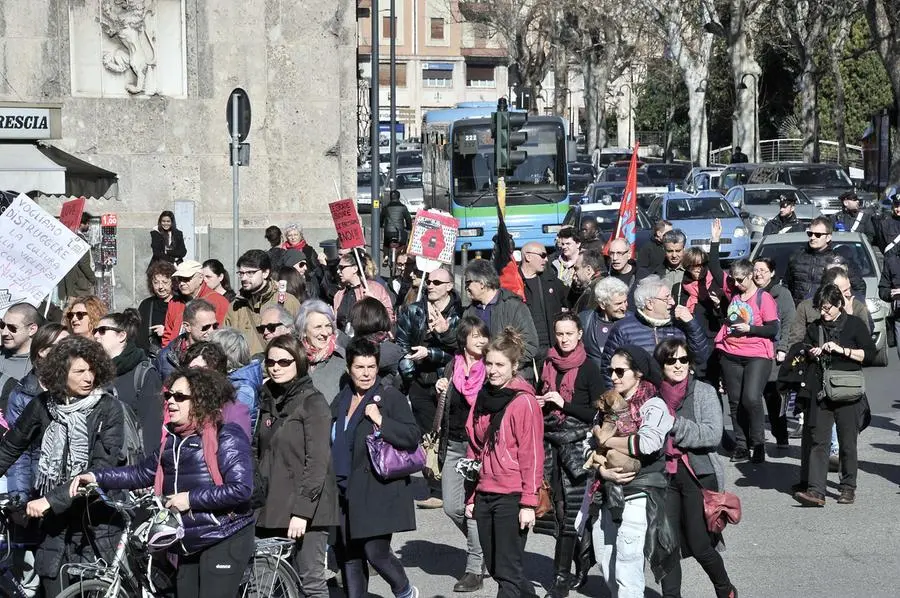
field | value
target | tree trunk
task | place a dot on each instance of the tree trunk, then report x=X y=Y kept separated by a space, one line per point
x=596 y=80
x=809 y=114
x=746 y=101
x=697 y=116
x=560 y=82
x=835 y=49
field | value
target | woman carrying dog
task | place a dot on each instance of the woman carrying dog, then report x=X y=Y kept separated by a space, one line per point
x=692 y=464
x=633 y=502
x=566 y=380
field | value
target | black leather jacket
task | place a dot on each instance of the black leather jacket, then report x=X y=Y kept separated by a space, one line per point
x=395 y=221
x=412 y=331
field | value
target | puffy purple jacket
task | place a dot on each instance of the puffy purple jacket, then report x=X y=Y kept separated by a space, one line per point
x=217 y=512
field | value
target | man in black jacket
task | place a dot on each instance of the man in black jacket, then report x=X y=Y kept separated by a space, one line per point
x=889 y=289
x=545 y=295
x=888 y=229
x=804 y=271
x=786 y=221
x=652 y=255
x=852 y=219
x=395 y=220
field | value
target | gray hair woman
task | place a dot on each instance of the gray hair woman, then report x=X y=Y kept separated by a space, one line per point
x=612 y=305
x=317 y=328
x=245 y=374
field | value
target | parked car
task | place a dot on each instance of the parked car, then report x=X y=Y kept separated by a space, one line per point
x=581 y=174
x=702 y=178
x=822 y=183
x=607 y=214
x=735 y=174
x=409 y=184
x=620 y=173
x=757 y=204
x=859 y=254
x=694 y=215
x=364 y=189
x=661 y=173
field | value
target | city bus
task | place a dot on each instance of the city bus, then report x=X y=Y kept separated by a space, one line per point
x=458 y=177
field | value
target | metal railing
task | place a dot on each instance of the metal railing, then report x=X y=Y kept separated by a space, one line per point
x=791 y=150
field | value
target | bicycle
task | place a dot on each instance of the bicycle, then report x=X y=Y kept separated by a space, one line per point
x=9 y=586
x=270 y=573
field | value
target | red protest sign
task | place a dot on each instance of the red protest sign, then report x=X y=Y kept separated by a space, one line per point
x=434 y=236
x=346 y=223
x=70 y=214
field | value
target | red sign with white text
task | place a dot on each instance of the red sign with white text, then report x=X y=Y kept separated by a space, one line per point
x=70 y=214
x=346 y=223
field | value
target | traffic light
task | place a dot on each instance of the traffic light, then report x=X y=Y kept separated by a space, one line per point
x=500 y=133
x=514 y=139
x=505 y=127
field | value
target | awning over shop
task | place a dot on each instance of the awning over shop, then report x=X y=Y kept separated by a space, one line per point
x=24 y=168
x=47 y=170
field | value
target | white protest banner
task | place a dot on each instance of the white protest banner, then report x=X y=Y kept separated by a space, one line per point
x=36 y=252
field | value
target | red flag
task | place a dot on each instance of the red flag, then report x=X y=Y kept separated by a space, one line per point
x=628 y=209
x=507 y=268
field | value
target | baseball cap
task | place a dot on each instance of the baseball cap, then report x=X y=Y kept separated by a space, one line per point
x=187 y=269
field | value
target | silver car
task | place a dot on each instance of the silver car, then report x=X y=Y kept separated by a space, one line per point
x=855 y=248
x=364 y=189
x=759 y=203
x=409 y=184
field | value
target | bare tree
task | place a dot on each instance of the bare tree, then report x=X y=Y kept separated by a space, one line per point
x=884 y=23
x=839 y=34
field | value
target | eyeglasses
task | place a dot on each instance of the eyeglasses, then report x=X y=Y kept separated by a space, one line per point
x=665 y=299
x=246 y=273
x=270 y=328
x=739 y=280
x=543 y=255
x=282 y=363
x=77 y=314
x=436 y=283
x=179 y=397
x=343 y=266
x=470 y=282
x=214 y=326
x=11 y=327
x=182 y=279
x=618 y=372
x=812 y=234
x=101 y=330
x=826 y=307
x=673 y=360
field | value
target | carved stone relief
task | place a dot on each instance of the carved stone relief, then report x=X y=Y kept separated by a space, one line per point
x=125 y=48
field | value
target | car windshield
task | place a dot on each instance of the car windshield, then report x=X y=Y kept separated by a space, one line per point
x=578 y=183
x=698 y=208
x=644 y=198
x=610 y=193
x=819 y=177
x=855 y=253
x=620 y=173
x=767 y=197
x=409 y=180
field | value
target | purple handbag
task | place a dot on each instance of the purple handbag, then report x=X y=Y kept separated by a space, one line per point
x=391 y=463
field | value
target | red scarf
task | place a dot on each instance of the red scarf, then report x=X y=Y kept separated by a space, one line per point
x=645 y=391
x=315 y=355
x=210 y=440
x=469 y=384
x=673 y=395
x=568 y=365
x=299 y=245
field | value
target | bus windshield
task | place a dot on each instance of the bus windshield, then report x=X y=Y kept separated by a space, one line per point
x=541 y=178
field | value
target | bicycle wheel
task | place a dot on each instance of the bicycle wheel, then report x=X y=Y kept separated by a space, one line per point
x=90 y=588
x=266 y=577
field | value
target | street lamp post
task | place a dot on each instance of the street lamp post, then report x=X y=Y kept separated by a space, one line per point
x=742 y=86
x=376 y=174
x=621 y=94
x=393 y=97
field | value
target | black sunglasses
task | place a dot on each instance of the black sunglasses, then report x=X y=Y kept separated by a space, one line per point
x=812 y=234
x=673 y=360
x=77 y=314
x=282 y=363
x=178 y=396
x=619 y=372
x=11 y=327
x=263 y=328
x=101 y=330
x=436 y=283
x=740 y=280
x=214 y=326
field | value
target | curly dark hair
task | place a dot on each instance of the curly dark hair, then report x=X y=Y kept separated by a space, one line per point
x=209 y=391
x=53 y=370
x=158 y=268
x=211 y=353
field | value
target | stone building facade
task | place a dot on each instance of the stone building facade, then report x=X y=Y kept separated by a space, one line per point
x=143 y=86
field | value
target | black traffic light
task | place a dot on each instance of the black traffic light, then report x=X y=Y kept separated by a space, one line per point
x=505 y=127
x=514 y=139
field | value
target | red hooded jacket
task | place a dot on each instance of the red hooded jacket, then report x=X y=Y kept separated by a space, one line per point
x=175 y=311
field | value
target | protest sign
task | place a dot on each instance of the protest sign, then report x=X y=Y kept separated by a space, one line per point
x=70 y=214
x=36 y=252
x=434 y=236
x=346 y=223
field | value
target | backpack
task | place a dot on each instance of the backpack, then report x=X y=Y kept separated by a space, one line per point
x=132 y=433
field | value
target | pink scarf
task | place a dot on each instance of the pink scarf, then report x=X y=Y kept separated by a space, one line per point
x=315 y=355
x=469 y=384
x=210 y=440
x=673 y=395
x=567 y=365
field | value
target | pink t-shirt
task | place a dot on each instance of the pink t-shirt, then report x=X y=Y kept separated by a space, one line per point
x=760 y=308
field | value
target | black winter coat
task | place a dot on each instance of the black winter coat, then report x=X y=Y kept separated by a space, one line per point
x=148 y=406
x=395 y=221
x=849 y=223
x=412 y=331
x=64 y=539
x=373 y=506
x=294 y=454
x=890 y=277
x=804 y=273
x=175 y=253
x=780 y=225
x=545 y=297
x=886 y=230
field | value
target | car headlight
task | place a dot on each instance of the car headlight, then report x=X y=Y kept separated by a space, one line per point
x=470 y=232
x=758 y=221
x=740 y=232
x=551 y=229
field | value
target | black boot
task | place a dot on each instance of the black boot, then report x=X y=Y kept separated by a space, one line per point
x=584 y=560
x=562 y=563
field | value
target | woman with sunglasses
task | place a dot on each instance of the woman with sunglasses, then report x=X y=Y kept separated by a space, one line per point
x=567 y=379
x=372 y=509
x=292 y=446
x=632 y=502
x=82 y=315
x=842 y=342
x=317 y=330
x=77 y=426
x=137 y=384
x=203 y=470
x=746 y=348
x=692 y=464
x=462 y=380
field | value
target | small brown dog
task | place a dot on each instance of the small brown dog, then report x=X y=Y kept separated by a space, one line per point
x=616 y=422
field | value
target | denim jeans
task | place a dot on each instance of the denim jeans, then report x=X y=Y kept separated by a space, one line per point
x=454 y=492
x=620 y=549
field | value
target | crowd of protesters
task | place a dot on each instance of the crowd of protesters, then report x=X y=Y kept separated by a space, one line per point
x=587 y=405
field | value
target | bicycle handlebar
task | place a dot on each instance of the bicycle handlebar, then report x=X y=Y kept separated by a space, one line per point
x=121 y=506
x=11 y=501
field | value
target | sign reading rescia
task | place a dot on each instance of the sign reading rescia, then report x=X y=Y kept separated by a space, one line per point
x=25 y=123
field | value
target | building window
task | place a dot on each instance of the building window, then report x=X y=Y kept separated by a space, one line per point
x=480 y=76
x=387 y=30
x=432 y=77
x=437 y=28
x=384 y=74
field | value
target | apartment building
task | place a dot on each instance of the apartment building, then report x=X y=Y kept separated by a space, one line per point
x=441 y=60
